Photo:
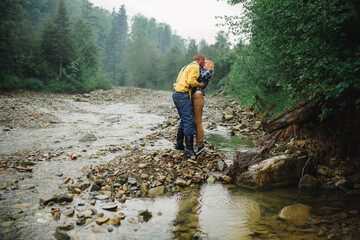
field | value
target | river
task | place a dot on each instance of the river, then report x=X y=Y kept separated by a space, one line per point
x=213 y=211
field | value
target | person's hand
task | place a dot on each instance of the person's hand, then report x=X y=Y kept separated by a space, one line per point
x=202 y=85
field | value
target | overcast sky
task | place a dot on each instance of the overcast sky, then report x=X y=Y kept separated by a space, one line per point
x=187 y=18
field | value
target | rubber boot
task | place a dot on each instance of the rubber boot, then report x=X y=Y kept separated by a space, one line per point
x=189 y=143
x=180 y=140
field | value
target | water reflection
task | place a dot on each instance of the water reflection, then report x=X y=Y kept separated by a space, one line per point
x=186 y=222
x=224 y=215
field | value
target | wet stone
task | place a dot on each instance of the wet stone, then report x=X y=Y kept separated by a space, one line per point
x=138 y=193
x=153 y=192
x=115 y=221
x=221 y=165
x=67 y=227
x=84 y=185
x=69 y=213
x=111 y=206
x=94 y=194
x=145 y=214
x=132 y=181
x=180 y=182
x=88 y=138
x=122 y=180
x=56 y=213
x=47 y=199
x=77 y=191
x=101 y=197
x=102 y=220
x=97 y=229
x=61 y=235
x=144 y=176
x=143 y=188
x=80 y=222
x=65 y=198
x=85 y=214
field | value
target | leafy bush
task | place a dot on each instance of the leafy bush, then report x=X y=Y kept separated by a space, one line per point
x=297 y=50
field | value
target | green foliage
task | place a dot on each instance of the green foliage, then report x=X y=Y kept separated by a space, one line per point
x=141 y=60
x=11 y=13
x=57 y=41
x=169 y=67
x=13 y=82
x=115 y=47
x=298 y=49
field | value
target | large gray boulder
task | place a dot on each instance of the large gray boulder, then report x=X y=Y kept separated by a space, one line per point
x=278 y=171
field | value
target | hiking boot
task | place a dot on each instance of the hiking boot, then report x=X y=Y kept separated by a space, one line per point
x=189 y=142
x=180 y=140
x=198 y=150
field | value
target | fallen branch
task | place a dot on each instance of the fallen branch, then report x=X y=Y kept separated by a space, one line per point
x=267 y=147
x=298 y=114
x=18 y=168
x=237 y=169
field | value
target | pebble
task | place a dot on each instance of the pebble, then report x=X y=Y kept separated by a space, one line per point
x=97 y=229
x=115 y=221
x=111 y=206
x=102 y=220
x=69 y=213
x=101 y=197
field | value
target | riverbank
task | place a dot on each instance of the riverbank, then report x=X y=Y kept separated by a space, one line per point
x=123 y=141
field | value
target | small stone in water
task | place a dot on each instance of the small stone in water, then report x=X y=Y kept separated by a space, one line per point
x=102 y=220
x=69 y=213
x=145 y=214
x=109 y=206
x=254 y=234
x=80 y=222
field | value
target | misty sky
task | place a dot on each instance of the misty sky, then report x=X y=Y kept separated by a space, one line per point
x=187 y=18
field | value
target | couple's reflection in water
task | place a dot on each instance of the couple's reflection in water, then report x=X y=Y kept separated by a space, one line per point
x=186 y=223
x=215 y=211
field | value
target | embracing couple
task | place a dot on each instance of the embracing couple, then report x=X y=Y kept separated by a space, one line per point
x=188 y=96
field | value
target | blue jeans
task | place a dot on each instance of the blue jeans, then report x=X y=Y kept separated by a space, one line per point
x=184 y=107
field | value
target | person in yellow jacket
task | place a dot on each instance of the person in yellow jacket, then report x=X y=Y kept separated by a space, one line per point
x=186 y=80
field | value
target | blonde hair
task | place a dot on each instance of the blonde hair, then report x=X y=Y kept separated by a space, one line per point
x=209 y=64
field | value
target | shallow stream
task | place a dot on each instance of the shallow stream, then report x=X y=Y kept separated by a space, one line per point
x=215 y=211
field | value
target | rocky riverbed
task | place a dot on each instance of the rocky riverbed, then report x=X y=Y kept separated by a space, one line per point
x=74 y=165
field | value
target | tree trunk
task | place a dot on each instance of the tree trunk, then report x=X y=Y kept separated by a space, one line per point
x=299 y=114
x=60 y=69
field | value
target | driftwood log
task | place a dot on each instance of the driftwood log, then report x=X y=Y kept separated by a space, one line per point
x=299 y=114
x=15 y=167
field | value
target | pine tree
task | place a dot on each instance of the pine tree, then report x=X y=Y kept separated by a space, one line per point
x=192 y=49
x=57 y=40
x=11 y=13
x=141 y=60
x=115 y=46
x=164 y=37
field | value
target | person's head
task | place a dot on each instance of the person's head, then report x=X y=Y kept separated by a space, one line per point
x=209 y=65
x=200 y=59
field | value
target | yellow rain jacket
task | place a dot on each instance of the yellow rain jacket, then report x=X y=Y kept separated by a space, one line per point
x=187 y=78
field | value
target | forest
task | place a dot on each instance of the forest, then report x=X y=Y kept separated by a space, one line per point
x=294 y=50
x=74 y=47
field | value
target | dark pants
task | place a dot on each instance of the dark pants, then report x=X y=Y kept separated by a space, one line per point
x=184 y=107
